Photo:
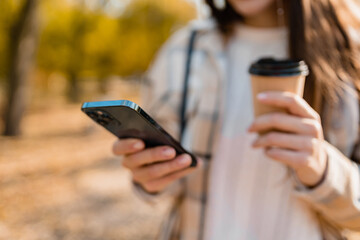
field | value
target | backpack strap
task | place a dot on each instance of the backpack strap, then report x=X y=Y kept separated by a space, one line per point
x=183 y=119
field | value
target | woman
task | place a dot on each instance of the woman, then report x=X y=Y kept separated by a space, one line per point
x=242 y=189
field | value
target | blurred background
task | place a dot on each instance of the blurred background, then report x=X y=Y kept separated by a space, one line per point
x=58 y=177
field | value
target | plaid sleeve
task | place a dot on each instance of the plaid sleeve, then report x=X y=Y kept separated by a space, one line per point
x=160 y=97
x=337 y=198
x=162 y=85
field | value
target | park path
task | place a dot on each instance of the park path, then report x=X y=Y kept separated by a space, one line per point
x=61 y=181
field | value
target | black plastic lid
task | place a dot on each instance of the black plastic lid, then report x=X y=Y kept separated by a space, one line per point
x=282 y=68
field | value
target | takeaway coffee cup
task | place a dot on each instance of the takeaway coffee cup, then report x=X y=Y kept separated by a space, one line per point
x=268 y=74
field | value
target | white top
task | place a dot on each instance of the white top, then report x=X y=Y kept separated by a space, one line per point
x=250 y=195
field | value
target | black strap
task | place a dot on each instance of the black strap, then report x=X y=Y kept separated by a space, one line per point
x=183 y=120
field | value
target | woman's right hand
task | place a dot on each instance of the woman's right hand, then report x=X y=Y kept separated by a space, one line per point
x=153 y=168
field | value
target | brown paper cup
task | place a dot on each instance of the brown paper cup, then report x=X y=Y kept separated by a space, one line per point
x=260 y=84
x=276 y=75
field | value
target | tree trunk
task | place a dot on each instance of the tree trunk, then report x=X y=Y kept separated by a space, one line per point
x=22 y=52
x=74 y=88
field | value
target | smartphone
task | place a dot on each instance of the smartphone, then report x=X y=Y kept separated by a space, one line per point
x=125 y=119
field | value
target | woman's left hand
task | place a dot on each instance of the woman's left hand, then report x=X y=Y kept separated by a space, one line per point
x=294 y=138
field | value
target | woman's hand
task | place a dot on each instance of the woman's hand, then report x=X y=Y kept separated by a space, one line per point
x=294 y=138
x=153 y=168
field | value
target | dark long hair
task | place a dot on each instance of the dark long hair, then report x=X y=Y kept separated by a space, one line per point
x=319 y=34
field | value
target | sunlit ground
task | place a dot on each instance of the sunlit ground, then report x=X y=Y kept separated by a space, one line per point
x=61 y=181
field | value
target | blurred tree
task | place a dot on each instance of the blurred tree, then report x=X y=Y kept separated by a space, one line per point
x=6 y=18
x=80 y=25
x=62 y=42
x=143 y=28
x=22 y=51
x=101 y=47
x=83 y=43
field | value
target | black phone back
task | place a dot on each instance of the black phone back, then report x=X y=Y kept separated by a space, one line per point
x=126 y=119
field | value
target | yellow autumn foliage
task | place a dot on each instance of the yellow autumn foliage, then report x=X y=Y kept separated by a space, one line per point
x=76 y=39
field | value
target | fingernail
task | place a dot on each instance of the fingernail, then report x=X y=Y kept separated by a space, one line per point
x=138 y=145
x=184 y=160
x=168 y=152
x=261 y=96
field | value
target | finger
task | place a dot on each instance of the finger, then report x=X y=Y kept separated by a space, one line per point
x=286 y=123
x=152 y=172
x=293 y=159
x=127 y=146
x=286 y=141
x=293 y=103
x=149 y=156
x=158 y=185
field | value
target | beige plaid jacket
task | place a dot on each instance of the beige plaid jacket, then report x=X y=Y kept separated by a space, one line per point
x=336 y=200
